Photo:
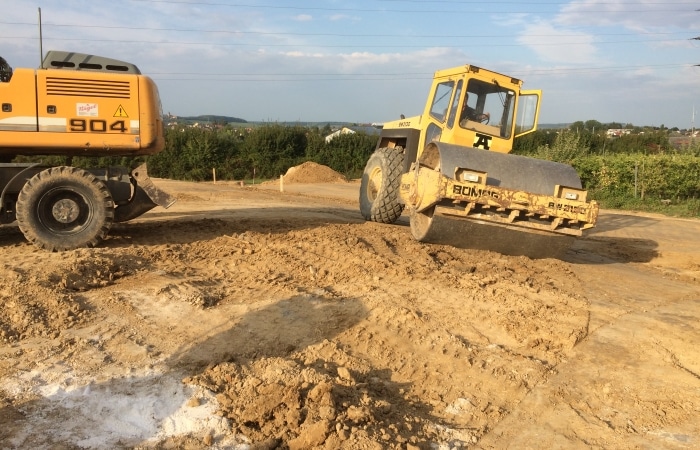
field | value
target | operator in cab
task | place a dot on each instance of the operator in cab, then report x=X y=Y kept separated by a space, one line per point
x=469 y=113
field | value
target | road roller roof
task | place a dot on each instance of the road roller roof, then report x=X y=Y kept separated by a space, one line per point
x=478 y=71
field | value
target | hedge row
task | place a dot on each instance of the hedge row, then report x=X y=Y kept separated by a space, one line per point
x=641 y=176
x=268 y=151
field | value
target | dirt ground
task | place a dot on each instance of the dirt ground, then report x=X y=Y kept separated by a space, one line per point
x=249 y=318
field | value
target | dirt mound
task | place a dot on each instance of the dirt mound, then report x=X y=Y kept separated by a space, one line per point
x=310 y=172
x=321 y=397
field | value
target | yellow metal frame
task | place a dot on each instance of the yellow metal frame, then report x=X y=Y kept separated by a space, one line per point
x=564 y=212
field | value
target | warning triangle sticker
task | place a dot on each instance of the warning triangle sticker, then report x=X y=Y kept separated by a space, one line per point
x=120 y=112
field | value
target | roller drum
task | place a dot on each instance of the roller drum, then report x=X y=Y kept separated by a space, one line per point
x=504 y=170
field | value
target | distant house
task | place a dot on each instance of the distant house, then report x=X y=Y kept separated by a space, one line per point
x=344 y=130
x=617 y=132
x=366 y=129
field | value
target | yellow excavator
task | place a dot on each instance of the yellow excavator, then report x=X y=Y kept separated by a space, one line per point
x=451 y=169
x=76 y=104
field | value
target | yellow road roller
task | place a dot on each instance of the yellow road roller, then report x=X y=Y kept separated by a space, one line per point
x=451 y=169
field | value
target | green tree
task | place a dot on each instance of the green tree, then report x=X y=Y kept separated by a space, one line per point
x=530 y=143
x=567 y=147
x=593 y=125
x=274 y=148
x=192 y=153
x=346 y=153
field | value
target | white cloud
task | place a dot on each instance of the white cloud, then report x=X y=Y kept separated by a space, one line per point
x=300 y=54
x=304 y=18
x=559 y=45
x=337 y=17
x=425 y=60
x=637 y=15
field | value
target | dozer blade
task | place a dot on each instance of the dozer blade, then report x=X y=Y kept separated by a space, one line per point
x=146 y=196
x=511 y=204
x=159 y=197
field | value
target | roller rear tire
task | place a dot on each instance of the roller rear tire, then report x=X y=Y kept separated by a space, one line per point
x=379 y=190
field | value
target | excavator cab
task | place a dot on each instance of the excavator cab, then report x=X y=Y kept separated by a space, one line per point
x=5 y=71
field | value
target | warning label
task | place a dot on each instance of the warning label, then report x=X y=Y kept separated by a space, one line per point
x=120 y=112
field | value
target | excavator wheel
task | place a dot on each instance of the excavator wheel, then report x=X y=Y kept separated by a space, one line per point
x=64 y=208
x=379 y=190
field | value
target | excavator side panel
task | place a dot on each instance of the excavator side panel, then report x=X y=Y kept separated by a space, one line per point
x=88 y=110
x=17 y=110
x=150 y=117
x=68 y=112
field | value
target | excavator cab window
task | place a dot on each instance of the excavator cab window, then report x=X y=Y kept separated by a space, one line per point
x=5 y=71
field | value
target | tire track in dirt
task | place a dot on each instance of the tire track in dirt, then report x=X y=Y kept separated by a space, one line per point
x=492 y=327
x=362 y=261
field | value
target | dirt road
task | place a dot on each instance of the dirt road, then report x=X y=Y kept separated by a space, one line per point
x=248 y=318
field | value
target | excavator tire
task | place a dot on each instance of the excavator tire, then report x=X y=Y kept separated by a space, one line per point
x=435 y=224
x=379 y=189
x=64 y=208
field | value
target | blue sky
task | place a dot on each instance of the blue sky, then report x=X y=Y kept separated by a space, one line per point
x=630 y=61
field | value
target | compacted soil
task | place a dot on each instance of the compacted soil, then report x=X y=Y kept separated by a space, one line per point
x=254 y=317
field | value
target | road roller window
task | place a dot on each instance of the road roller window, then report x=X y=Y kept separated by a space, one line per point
x=455 y=102
x=527 y=113
x=488 y=108
x=441 y=100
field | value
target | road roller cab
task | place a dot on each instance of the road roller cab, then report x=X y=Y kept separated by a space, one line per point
x=448 y=167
